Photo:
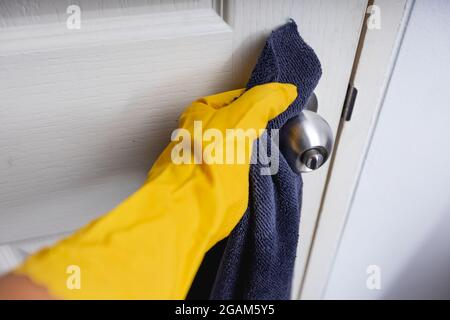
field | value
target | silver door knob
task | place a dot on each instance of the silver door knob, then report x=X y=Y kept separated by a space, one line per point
x=306 y=140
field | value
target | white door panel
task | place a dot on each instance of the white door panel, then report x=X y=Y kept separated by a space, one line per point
x=32 y=12
x=84 y=112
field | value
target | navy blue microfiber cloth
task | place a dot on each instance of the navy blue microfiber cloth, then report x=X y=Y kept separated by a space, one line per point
x=258 y=261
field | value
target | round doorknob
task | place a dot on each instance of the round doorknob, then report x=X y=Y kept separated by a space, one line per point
x=306 y=141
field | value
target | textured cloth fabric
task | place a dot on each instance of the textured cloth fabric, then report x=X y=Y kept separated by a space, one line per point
x=258 y=261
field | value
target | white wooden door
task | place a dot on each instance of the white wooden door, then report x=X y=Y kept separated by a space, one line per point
x=84 y=112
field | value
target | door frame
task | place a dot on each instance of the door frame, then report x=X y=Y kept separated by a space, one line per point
x=377 y=54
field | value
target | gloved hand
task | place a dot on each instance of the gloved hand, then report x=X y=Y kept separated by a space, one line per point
x=151 y=245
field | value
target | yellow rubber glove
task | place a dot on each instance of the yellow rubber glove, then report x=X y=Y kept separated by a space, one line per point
x=152 y=244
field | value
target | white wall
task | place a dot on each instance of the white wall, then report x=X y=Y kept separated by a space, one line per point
x=400 y=216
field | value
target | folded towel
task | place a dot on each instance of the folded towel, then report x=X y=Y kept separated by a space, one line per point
x=259 y=257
